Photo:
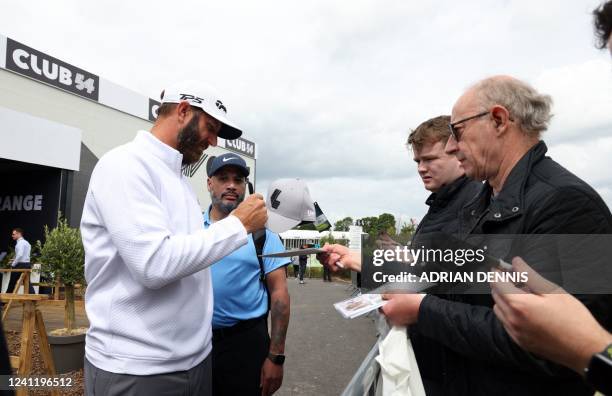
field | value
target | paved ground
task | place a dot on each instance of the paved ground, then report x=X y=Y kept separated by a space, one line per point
x=323 y=349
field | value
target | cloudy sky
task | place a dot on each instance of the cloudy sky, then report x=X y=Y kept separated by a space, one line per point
x=330 y=89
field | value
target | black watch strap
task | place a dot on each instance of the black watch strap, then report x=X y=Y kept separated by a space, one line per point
x=599 y=372
x=276 y=359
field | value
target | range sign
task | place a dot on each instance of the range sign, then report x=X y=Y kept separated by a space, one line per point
x=42 y=67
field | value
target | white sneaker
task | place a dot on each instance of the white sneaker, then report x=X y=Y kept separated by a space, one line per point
x=301 y=282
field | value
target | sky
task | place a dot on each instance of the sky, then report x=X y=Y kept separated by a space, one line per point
x=329 y=90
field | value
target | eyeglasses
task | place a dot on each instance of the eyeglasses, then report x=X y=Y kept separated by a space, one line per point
x=454 y=130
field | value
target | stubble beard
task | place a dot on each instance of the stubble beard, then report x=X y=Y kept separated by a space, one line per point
x=189 y=143
x=225 y=208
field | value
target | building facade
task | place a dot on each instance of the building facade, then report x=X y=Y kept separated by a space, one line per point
x=56 y=121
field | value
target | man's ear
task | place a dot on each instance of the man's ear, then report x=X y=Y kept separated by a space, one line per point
x=183 y=109
x=208 y=183
x=501 y=117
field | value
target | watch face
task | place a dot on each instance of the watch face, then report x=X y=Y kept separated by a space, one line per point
x=600 y=371
x=277 y=359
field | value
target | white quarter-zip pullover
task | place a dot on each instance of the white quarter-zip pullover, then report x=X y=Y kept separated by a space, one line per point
x=149 y=295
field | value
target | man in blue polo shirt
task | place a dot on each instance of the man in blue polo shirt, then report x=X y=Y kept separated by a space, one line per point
x=246 y=359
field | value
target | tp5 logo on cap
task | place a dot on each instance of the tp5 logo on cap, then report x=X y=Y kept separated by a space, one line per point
x=289 y=203
x=191 y=98
x=204 y=97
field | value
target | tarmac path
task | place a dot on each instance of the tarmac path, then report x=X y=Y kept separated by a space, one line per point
x=323 y=349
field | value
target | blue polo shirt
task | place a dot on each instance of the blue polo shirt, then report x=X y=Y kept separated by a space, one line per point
x=238 y=292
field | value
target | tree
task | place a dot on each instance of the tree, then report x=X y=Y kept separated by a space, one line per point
x=369 y=224
x=63 y=257
x=406 y=232
x=329 y=238
x=344 y=224
x=386 y=222
x=375 y=225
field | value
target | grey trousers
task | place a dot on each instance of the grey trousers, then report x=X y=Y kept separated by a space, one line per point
x=194 y=382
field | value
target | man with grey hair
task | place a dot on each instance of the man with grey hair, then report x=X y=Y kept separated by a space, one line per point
x=496 y=128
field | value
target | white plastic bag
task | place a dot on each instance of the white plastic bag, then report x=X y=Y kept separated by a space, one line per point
x=399 y=369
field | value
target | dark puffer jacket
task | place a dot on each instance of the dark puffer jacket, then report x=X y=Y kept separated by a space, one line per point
x=445 y=206
x=443 y=216
x=538 y=197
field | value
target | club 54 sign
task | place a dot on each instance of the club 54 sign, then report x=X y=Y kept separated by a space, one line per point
x=42 y=67
x=241 y=146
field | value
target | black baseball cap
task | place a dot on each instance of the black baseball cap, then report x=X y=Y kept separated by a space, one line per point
x=228 y=159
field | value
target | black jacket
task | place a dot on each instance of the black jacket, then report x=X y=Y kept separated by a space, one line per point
x=445 y=206
x=538 y=197
x=443 y=216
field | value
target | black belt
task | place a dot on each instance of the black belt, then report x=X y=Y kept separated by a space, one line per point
x=243 y=325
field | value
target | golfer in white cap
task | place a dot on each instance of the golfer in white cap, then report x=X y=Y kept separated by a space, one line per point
x=149 y=297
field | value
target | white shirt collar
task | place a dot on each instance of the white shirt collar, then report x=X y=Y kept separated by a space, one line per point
x=167 y=154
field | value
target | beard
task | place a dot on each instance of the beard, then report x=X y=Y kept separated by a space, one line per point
x=189 y=142
x=225 y=208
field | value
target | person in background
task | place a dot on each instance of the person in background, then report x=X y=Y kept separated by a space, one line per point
x=303 y=263
x=295 y=263
x=21 y=259
x=326 y=274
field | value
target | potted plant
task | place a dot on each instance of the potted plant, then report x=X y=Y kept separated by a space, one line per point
x=62 y=257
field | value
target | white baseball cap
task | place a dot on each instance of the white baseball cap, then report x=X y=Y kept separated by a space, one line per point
x=288 y=202
x=206 y=98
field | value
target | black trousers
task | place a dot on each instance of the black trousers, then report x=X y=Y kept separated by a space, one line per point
x=302 y=271
x=15 y=277
x=326 y=274
x=237 y=359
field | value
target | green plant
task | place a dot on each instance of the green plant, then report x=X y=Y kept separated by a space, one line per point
x=329 y=238
x=62 y=257
x=6 y=261
x=344 y=224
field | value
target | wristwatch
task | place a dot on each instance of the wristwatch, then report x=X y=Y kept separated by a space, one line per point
x=276 y=359
x=599 y=372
